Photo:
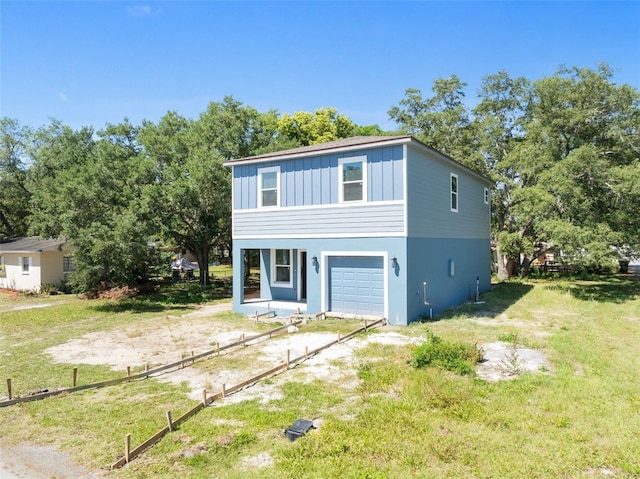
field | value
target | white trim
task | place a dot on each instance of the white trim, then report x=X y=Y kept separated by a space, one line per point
x=405 y=167
x=365 y=180
x=299 y=276
x=451 y=192
x=395 y=234
x=324 y=274
x=272 y=280
x=328 y=205
x=29 y=265
x=261 y=171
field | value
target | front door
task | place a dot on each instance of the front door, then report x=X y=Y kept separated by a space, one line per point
x=303 y=275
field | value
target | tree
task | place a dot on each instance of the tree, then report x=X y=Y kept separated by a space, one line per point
x=564 y=154
x=87 y=188
x=442 y=121
x=15 y=197
x=324 y=124
x=192 y=192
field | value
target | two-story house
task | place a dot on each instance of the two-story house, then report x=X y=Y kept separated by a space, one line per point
x=360 y=227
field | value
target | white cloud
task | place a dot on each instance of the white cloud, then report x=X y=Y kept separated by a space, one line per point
x=143 y=10
x=62 y=96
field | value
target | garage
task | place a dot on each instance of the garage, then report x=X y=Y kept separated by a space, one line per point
x=356 y=285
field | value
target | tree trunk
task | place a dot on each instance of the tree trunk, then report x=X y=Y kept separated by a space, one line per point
x=503 y=272
x=202 y=256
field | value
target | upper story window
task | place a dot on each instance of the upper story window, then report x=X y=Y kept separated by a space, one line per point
x=269 y=187
x=486 y=196
x=454 y=192
x=26 y=264
x=281 y=267
x=353 y=179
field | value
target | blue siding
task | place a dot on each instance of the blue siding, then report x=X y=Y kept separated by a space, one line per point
x=429 y=202
x=314 y=180
x=429 y=261
x=362 y=219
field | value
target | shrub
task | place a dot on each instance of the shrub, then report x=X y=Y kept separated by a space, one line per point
x=450 y=355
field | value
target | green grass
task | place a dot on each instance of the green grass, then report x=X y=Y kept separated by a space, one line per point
x=579 y=419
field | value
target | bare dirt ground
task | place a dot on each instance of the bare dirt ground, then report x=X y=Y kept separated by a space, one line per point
x=159 y=341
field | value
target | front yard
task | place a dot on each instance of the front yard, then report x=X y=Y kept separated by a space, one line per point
x=577 y=415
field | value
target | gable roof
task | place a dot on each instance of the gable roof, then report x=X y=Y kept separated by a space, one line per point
x=31 y=244
x=319 y=148
x=348 y=144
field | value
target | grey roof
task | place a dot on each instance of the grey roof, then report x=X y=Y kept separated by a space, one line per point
x=353 y=141
x=31 y=244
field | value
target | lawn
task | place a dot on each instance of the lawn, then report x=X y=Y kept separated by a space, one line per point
x=577 y=418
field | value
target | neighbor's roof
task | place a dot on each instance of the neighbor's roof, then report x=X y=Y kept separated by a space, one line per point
x=348 y=144
x=31 y=244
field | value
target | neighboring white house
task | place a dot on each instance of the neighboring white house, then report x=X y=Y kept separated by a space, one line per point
x=29 y=262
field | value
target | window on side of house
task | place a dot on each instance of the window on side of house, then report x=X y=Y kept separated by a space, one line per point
x=3 y=273
x=268 y=187
x=486 y=196
x=454 y=192
x=281 y=267
x=67 y=266
x=353 y=179
x=25 y=262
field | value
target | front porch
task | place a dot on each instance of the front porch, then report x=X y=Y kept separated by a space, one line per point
x=257 y=306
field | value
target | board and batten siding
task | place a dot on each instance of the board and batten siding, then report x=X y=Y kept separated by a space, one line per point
x=332 y=221
x=314 y=181
x=429 y=212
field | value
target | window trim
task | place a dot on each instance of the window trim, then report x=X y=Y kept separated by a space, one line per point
x=454 y=194
x=486 y=196
x=353 y=159
x=3 y=271
x=261 y=171
x=26 y=263
x=274 y=267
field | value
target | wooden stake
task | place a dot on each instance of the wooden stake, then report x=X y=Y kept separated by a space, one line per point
x=204 y=397
x=127 y=448
x=146 y=367
x=288 y=357
x=169 y=421
x=128 y=371
x=306 y=352
x=75 y=377
x=339 y=336
x=9 y=387
x=192 y=360
x=224 y=389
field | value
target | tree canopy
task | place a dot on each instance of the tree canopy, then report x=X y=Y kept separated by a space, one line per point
x=563 y=152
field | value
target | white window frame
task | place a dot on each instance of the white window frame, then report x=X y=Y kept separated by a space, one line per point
x=354 y=159
x=3 y=271
x=261 y=171
x=454 y=194
x=25 y=261
x=274 y=267
x=486 y=196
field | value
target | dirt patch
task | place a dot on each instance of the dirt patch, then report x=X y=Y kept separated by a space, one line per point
x=25 y=461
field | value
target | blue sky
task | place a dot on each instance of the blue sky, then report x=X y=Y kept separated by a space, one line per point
x=93 y=63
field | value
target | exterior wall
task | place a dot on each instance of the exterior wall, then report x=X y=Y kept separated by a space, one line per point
x=46 y=267
x=429 y=212
x=15 y=278
x=430 y=262
x=314 y=181
x=52 y=267
x=348 y=220
x=316 y=276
